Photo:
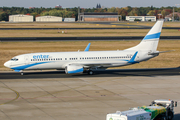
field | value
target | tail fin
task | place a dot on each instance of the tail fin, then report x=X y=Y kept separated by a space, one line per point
x=150 y=41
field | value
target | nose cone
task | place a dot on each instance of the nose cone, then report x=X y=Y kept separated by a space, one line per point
x=7 y=64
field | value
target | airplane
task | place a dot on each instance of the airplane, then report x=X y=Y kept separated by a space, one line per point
x=87 y=61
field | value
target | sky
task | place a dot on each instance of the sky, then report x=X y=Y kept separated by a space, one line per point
x=88 y=3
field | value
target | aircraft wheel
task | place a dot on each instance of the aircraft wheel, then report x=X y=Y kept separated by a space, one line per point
x=90 y=72
x=66 y=70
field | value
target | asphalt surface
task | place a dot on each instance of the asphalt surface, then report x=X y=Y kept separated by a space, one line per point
x=54 y=95
x=97 y=73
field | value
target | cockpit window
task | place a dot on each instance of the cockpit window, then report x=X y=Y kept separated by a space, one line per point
x=14 y=59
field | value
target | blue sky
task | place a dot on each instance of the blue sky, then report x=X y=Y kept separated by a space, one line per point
x=88 y=3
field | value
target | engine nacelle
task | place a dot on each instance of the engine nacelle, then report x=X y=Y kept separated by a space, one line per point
x=72 y=69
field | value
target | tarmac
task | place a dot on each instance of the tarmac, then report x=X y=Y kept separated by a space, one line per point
x=83 y=97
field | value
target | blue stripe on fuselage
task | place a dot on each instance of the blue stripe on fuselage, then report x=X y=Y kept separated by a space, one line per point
x=152 y=36
x=27 y=66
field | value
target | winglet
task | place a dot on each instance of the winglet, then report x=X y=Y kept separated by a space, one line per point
x=87 y=48
x=133 y=58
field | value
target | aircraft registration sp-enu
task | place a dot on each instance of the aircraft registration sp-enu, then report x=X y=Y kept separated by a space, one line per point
x=81 y=61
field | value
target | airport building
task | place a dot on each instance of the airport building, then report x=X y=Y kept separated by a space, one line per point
x=20 y=18
x=141 y=18
x=69 y=19
x=58 y=6
x=48 y=19
x=99 y=16
x=170 y=16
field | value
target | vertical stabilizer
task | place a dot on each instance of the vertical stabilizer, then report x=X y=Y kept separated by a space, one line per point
x=150 y=41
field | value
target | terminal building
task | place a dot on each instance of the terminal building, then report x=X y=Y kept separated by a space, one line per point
x=48 y=19
x=141 y=18
x=20 y=18
x=99 y=16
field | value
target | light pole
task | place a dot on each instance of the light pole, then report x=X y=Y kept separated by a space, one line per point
x=173 y=11
x=173 y=14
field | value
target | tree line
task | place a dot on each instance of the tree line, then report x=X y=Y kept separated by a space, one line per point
x=73 y=12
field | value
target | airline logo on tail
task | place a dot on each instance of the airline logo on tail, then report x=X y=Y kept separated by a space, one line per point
x=152 y=36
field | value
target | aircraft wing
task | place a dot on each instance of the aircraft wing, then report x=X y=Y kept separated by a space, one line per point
x=89 y=65
x=106 y=64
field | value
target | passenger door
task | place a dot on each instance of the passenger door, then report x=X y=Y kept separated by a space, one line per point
x=26 y=59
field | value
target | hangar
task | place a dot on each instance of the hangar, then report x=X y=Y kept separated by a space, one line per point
x=99 y=16
x=48 y=19
x=20 y=18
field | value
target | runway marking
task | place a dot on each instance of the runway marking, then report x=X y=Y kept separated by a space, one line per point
x=17 y=96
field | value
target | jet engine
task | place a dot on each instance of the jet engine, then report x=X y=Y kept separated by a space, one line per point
x=72 y=69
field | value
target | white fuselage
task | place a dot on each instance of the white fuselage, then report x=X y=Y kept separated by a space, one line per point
x=59 y=60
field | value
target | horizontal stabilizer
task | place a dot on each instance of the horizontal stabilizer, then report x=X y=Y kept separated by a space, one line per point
x=157 y=52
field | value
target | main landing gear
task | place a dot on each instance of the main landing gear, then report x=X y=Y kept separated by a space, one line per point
x=90 y=72
x=22 y=72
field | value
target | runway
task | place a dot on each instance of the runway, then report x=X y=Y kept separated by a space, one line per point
x=54 y=95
